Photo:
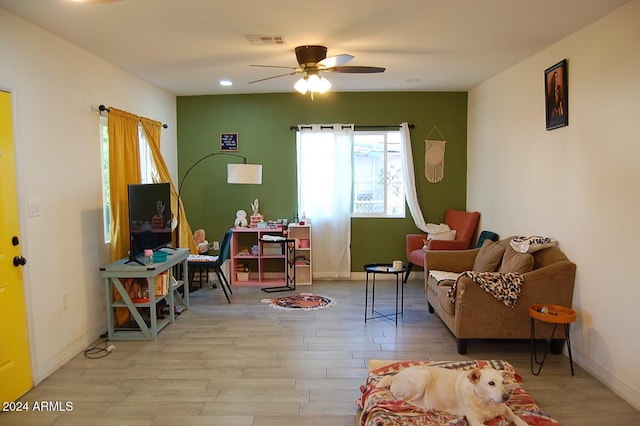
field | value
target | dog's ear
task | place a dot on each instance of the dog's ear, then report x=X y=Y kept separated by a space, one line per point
x=474 y=376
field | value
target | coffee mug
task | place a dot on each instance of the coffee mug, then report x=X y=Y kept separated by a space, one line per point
x=397 y=265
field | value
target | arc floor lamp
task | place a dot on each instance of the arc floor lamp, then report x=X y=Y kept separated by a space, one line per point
x=237 y=173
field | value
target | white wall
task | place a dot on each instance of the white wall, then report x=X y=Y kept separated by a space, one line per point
x=56 y=89
x=579 y=184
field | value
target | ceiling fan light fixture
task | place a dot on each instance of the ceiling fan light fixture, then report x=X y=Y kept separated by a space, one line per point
x=301 y=85
x=322 y=85
x=313 y=83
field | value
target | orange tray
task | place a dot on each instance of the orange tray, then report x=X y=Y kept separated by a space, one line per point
x=556 y=314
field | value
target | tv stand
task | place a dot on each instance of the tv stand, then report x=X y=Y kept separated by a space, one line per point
x=135 y=259
x=145 y=327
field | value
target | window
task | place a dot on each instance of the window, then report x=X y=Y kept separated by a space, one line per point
x=378 y=185
x=147 y=169
x=147 y=166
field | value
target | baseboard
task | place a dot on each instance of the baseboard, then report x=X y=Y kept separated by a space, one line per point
x=621 y=388
x=70 y=351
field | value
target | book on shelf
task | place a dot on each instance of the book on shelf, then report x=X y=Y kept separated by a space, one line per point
x=161 y=284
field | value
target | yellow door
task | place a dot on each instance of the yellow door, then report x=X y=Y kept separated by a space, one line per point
x=15 y=368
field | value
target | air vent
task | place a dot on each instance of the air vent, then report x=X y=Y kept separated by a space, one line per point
x=259 y=40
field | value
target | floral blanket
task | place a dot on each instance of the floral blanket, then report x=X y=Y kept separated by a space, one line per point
x=380 y=409
x=504 y=286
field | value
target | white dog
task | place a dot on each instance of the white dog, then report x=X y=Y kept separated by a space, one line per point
x=479 y=394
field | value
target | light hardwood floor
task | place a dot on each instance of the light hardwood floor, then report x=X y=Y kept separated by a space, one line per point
x=247 y=364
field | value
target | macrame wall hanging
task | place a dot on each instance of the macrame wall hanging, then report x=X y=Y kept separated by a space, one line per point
x=434 y=157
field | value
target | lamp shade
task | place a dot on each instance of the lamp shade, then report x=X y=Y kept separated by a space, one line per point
x=244 y=173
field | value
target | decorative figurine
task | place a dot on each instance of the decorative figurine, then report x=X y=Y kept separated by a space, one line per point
x=256 y=217
x=241 y=219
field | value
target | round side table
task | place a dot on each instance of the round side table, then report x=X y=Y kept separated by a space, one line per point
x=554 y=314
x=383 y=268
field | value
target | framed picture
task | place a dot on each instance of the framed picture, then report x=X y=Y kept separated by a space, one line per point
x=556 y=95
x=228 y=141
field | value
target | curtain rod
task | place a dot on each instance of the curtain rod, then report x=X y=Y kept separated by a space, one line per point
x=103 y=108
x=390 y=126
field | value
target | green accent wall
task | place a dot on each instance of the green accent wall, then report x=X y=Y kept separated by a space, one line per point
x=262 y=122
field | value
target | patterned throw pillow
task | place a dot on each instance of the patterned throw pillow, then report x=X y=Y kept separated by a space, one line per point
x=531 y=244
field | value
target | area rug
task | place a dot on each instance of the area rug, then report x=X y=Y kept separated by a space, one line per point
x=300 y=302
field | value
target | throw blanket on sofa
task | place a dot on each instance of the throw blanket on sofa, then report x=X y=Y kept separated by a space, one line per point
x=504 y=286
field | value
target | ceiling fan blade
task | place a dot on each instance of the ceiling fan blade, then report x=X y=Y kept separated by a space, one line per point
x=334 y=61
x=275 y=76
x=276 y=66
x=355 y=69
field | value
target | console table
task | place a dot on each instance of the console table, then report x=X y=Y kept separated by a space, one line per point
x=147 y=328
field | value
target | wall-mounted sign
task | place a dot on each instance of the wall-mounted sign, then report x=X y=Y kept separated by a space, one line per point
x=228 y=141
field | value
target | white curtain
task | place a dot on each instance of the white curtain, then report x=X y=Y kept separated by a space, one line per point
x=410 y=179
x=324 y=194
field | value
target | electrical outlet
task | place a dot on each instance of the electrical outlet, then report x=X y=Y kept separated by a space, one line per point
x=34 y=208
x=216 y=245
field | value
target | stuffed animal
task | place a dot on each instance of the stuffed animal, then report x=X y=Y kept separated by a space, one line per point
x=241 y=219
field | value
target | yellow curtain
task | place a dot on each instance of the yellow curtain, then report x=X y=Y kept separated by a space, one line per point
x=152 y=130
x=124 y=168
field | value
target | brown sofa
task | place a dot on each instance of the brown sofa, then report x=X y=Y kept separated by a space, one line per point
x=477 y=314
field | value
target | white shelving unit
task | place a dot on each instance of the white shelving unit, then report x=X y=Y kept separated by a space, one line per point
x=304 y=269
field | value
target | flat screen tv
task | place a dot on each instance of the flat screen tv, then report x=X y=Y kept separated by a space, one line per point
x=149 y=217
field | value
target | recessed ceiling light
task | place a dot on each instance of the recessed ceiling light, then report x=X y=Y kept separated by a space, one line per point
x=226 y=82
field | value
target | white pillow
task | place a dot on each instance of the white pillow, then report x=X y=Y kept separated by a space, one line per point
x=440 y=232
x=449 y=235
x=433 y=228
x=531 y=244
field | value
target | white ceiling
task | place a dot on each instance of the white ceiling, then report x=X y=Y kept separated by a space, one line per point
x=188 y=46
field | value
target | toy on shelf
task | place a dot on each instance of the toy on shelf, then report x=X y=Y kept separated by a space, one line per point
x=241 y=219
x=256 y=217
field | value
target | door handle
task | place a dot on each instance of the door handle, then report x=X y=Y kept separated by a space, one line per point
x=19 y=260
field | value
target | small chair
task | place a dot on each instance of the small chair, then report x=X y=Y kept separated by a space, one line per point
x=464 y=223
x=215 y=263
x=487 y=235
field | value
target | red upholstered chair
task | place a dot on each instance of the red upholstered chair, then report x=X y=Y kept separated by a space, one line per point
x=464 y=223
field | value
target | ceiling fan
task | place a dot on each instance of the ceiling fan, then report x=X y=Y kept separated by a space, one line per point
x=311 y=61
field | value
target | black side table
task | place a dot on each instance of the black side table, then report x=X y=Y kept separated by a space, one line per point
x=383 y=268
x=289 y=251
x=556 y=315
